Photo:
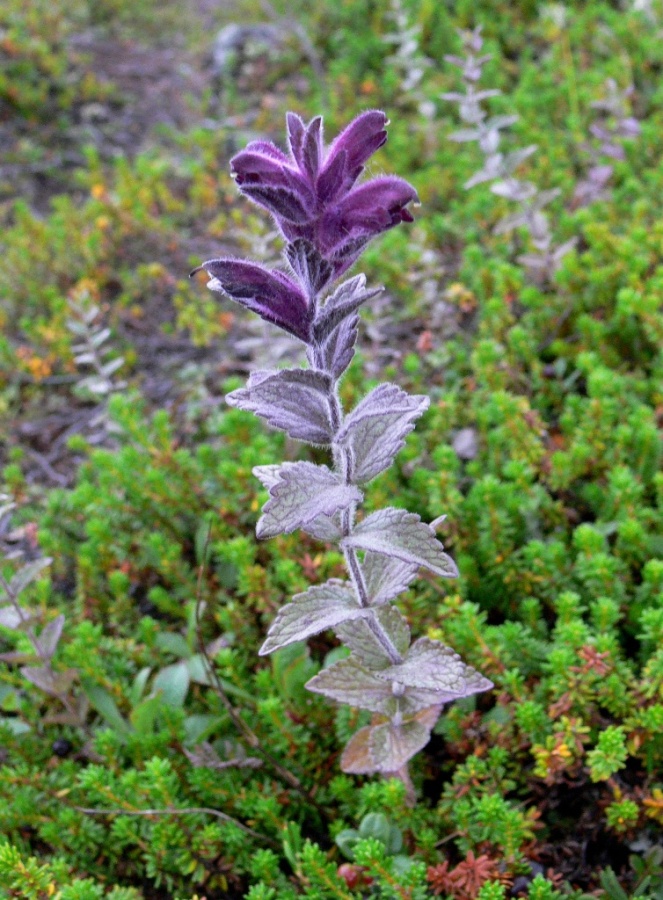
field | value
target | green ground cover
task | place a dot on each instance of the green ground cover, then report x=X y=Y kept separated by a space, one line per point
x=129 y=766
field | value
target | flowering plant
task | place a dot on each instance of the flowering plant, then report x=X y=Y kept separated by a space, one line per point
x=327 y=219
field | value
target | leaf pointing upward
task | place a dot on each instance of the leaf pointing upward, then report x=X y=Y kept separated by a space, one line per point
x=376 y=429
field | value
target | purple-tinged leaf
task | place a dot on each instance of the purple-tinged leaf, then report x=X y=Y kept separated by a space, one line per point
x=346 y=300
x=513 y=189
x=204 y=756
x=431 y=666
x=361 y=639
x=296 y=130
x=49 y=637
x=348 y=681
x=314 y=272
x=319 y=608
x=388 y=747
x=332 y=178
x=282 y=202
x=14 y=618
x=294 y=400
x=338 y=348
x=27 y=574
x=311 y=154
x=303 y=492
x=54 y=683
x=376 y=429
x=466 y=443
x=386 y=578
x=271 y=294
x=464 y=135
x=398 y=534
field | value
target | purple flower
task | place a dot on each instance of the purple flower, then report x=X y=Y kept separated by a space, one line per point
x=271 y=294
x=311 y=191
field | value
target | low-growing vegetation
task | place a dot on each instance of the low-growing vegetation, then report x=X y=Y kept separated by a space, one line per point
x=146 y=749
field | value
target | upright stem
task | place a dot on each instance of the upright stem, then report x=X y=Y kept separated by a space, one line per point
x=343 y=465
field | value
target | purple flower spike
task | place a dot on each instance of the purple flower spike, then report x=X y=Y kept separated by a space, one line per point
x=271 y=294
x=311 y=191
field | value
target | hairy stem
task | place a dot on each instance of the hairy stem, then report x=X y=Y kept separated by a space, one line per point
x=343 y=465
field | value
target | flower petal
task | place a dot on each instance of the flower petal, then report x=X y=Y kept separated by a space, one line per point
x=365 y=212
x=270 y=293
x=360 y=139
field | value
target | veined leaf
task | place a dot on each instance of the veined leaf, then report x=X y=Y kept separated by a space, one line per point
x=432 y=666
x=344 y=302
x=338 y=347
x=303 y=492
x=50 y=635
x=386 y=578
x=53 y=683
x=320 y=607
x=359 y=637
x=294 y=400
x=311 y=268
x=27 y=574
x=349 y=681
x=398 y=534
x=376 y=429
x=387 y=747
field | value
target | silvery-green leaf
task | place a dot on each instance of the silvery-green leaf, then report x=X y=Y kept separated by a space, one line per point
x=463 y=135
x=294 y=400
x=27 y=574
x=303 y=492
x=384 y=748
x=50 y=635
x=513 y=189
x=11 y=617
x=95 y=384
x=338 y=348
x=99 y=337
x=376 y=429
x=111 y=367
x=432 y=666
x=84 y=358
x=361 y=639
x=516 y=157
x=346 y=300
x=325 y=528
x=267 y=475
x=348 y=681
x=386 y=578
x=399 y=534
x=312 y=269
x=320 y=607
x=173 y=683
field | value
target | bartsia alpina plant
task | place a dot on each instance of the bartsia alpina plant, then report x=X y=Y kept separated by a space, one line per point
x=327 y=219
